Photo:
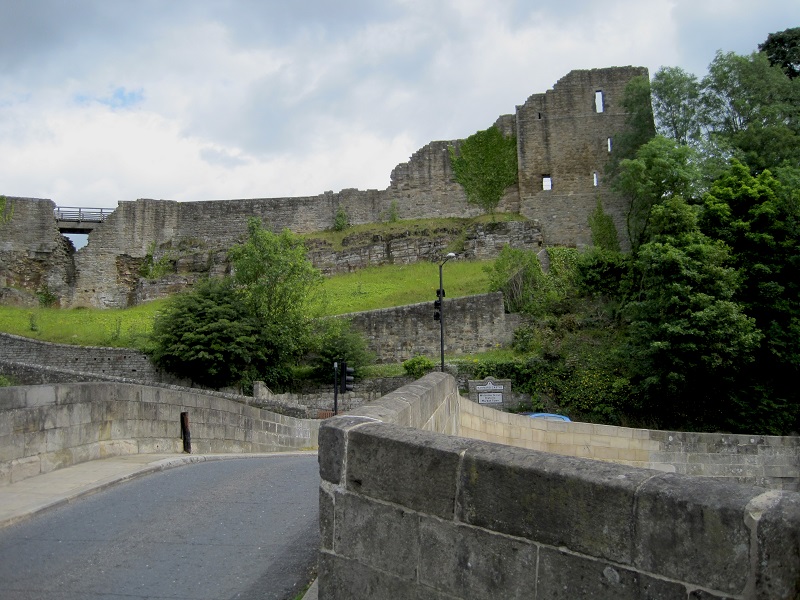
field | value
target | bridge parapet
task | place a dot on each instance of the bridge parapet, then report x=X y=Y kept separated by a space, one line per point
x=406 y=513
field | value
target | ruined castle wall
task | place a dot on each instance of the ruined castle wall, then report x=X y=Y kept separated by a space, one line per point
x=562 y=135
x=107 y=269
x=33 y=253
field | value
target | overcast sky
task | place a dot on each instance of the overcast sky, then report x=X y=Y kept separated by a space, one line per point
x=109 y=100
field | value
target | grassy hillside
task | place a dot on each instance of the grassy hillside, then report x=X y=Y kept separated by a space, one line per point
x=368 y=289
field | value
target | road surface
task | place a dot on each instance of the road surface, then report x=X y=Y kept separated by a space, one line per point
x=214 y=530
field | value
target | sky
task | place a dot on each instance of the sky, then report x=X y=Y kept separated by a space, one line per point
x=109 y=100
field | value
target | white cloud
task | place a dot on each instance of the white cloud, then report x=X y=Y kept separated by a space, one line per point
x=200 y=100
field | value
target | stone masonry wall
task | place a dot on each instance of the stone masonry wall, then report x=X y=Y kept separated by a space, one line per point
x=494 y=521
x=115 y=362
x=559 y=134
x=43 y=428
x=33 y=254
x=767 y=461
x=472 y=324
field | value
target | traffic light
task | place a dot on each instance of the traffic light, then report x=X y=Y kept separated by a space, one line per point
x=346 y=383
x=437 y=307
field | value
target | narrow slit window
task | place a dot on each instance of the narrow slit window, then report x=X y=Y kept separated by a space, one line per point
x=539 y=115
x=547 y=182
x=598 y=101
x=609 y=145
x=595 y=179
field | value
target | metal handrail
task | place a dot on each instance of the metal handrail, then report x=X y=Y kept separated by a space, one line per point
x=87 y=215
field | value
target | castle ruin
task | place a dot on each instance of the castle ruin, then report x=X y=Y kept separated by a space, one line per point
x=564 y=140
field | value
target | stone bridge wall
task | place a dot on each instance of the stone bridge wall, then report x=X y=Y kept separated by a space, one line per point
x=407 y=513
x=764 y=460
x=43 y=428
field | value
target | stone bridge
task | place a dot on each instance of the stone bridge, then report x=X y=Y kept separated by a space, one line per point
x=409 y=510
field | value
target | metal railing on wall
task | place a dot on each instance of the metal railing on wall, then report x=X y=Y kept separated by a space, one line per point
x=82 y=215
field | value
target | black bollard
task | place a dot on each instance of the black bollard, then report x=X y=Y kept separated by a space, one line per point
x=186 y=435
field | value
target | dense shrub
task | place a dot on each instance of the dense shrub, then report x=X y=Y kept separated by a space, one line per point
x=418 y=366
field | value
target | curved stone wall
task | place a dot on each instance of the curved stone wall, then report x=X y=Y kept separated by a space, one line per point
x=764 y=460
x=47 y=427
x=406 y=513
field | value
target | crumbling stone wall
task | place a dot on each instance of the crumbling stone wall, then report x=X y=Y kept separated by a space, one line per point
x=560 y=135
x=34 y=256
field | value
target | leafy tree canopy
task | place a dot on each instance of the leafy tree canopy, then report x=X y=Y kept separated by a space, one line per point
x=676 y=96
x=744 y=107
x=661 y=169
x=783 y=49
x=485 y=164
x=687 y=338
x=252 y=325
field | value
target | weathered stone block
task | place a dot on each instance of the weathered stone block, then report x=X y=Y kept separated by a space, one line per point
x=344 y=579
x=413 y=468
x=778 y=533
x=533 y=495
x=565 y=576
x=377 y=535
x=333 y=445
x=326 y=518
x=40 y=395
x=474 y=563
x=22 y=468
x=693 y=529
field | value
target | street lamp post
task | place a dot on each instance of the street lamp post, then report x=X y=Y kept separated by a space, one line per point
x=440 y=293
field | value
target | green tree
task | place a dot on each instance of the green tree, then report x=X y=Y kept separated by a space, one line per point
x=783 y=50
x=639 y=127
x=687 y=338
x=526 y=287
x=253 y=325
x=760 y=221
x=604 y=232
x=280 y=286
x=485 y=164
x=752 y=108
x=210 y=336
x=661 y=169
x=336 y=341
x=676 y=104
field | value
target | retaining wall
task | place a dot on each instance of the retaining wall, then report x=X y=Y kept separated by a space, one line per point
x=48 y=427
x=473 y=324
x=407 y=513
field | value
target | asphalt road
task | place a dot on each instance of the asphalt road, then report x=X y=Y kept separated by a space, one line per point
x=241 y=529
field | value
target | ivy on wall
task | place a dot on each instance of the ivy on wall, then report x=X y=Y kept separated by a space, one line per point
x=485 y=164
x=6 y=210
